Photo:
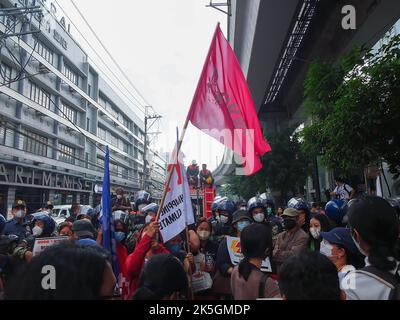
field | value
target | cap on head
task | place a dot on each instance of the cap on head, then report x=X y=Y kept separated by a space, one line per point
x=341 y=237
x=19 y=204
x=83 y=228
x=239 y=215
x=290 y=212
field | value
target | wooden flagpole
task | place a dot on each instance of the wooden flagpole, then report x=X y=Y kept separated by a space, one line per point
x=175 y=158
x=187 y=231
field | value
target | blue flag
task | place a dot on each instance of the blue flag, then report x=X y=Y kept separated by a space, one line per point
x=107 y=221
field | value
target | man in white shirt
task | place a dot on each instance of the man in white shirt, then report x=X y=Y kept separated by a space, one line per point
x=343 y=191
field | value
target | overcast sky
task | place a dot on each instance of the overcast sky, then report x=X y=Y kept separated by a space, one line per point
x=161 y=45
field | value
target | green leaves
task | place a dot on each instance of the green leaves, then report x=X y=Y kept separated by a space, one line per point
x=285 y=168
x=355 y=107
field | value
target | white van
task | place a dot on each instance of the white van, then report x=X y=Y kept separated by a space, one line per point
x=60 y=213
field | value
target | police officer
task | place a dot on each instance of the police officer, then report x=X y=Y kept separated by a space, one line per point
x=44 y=226
x=47 y=208
x=225 y=209
x=304 y=212
x=256 y=208
x=150 y=211
x=18 y=225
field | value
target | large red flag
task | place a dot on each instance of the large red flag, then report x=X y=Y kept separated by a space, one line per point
x=223 y=108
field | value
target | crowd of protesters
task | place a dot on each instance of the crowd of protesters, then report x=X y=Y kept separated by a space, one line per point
x=346 y=250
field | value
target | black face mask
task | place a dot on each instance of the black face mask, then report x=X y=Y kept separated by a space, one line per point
x=289 y=224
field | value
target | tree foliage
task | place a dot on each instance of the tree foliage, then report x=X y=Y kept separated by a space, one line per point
x=354 y=108
x=284 y=169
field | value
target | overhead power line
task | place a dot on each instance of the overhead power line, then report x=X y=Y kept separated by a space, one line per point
x=137 y=103
x=108 y=52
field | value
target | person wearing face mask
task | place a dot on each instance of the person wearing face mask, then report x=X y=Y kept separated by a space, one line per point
x=224 y=267
x=339 y=247
x=120 y=231
x=18 y=226
x=175 y=247
x=207 y=246
x=319 y=223
x=292 y=240
x=262 y=211
x=150 y=211
x=136 y=219
x=147 y=246
x=120 y=202
x=223 y=228
x=44 y=226
x=304 y=212
x=65 y=229
x=248 y=282
x=374 y=229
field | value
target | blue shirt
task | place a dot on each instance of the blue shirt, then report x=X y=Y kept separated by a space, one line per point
x=16 y=228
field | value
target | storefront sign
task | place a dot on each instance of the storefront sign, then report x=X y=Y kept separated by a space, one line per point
x=29 y=177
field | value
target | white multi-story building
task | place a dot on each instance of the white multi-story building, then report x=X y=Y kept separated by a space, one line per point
x=55 y=125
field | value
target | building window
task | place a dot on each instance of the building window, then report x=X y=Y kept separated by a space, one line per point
x=39 y=95
x=125 y=173
x=125 y=122
x=2 y=135
x=114 y=169
x=68 y=113
x=89 y=90
x=71 y=75
x=114 y=141
x=66 y=153
x=5 y=74
x=102 y=102
x=88 y=124
x=44 y=51
x=101 y=133
x=100 y=163
x=35 y=143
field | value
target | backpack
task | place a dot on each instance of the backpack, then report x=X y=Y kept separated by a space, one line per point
x=393 y=279
x=261 y=286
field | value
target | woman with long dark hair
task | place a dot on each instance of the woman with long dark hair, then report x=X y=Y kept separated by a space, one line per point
x=248 y=282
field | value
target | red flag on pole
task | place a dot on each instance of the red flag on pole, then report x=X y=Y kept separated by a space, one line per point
x=223 y=108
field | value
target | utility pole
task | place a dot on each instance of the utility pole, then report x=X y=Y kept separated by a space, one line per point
x=148 y=117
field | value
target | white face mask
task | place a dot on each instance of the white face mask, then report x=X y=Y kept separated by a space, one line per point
x=204 y=235
x=259 y=217
x=20 y=214
x=315 y=232
x=358 y=247
x=148 y=218
x=37 y=231
x=326 y=249
x=224 y=219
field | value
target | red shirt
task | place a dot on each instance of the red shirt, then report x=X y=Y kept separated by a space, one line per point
x=135 y=261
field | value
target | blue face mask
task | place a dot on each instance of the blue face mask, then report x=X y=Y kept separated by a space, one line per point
x=173 y=248
x=269 y=210
x=119 y=236
x=242 y=224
